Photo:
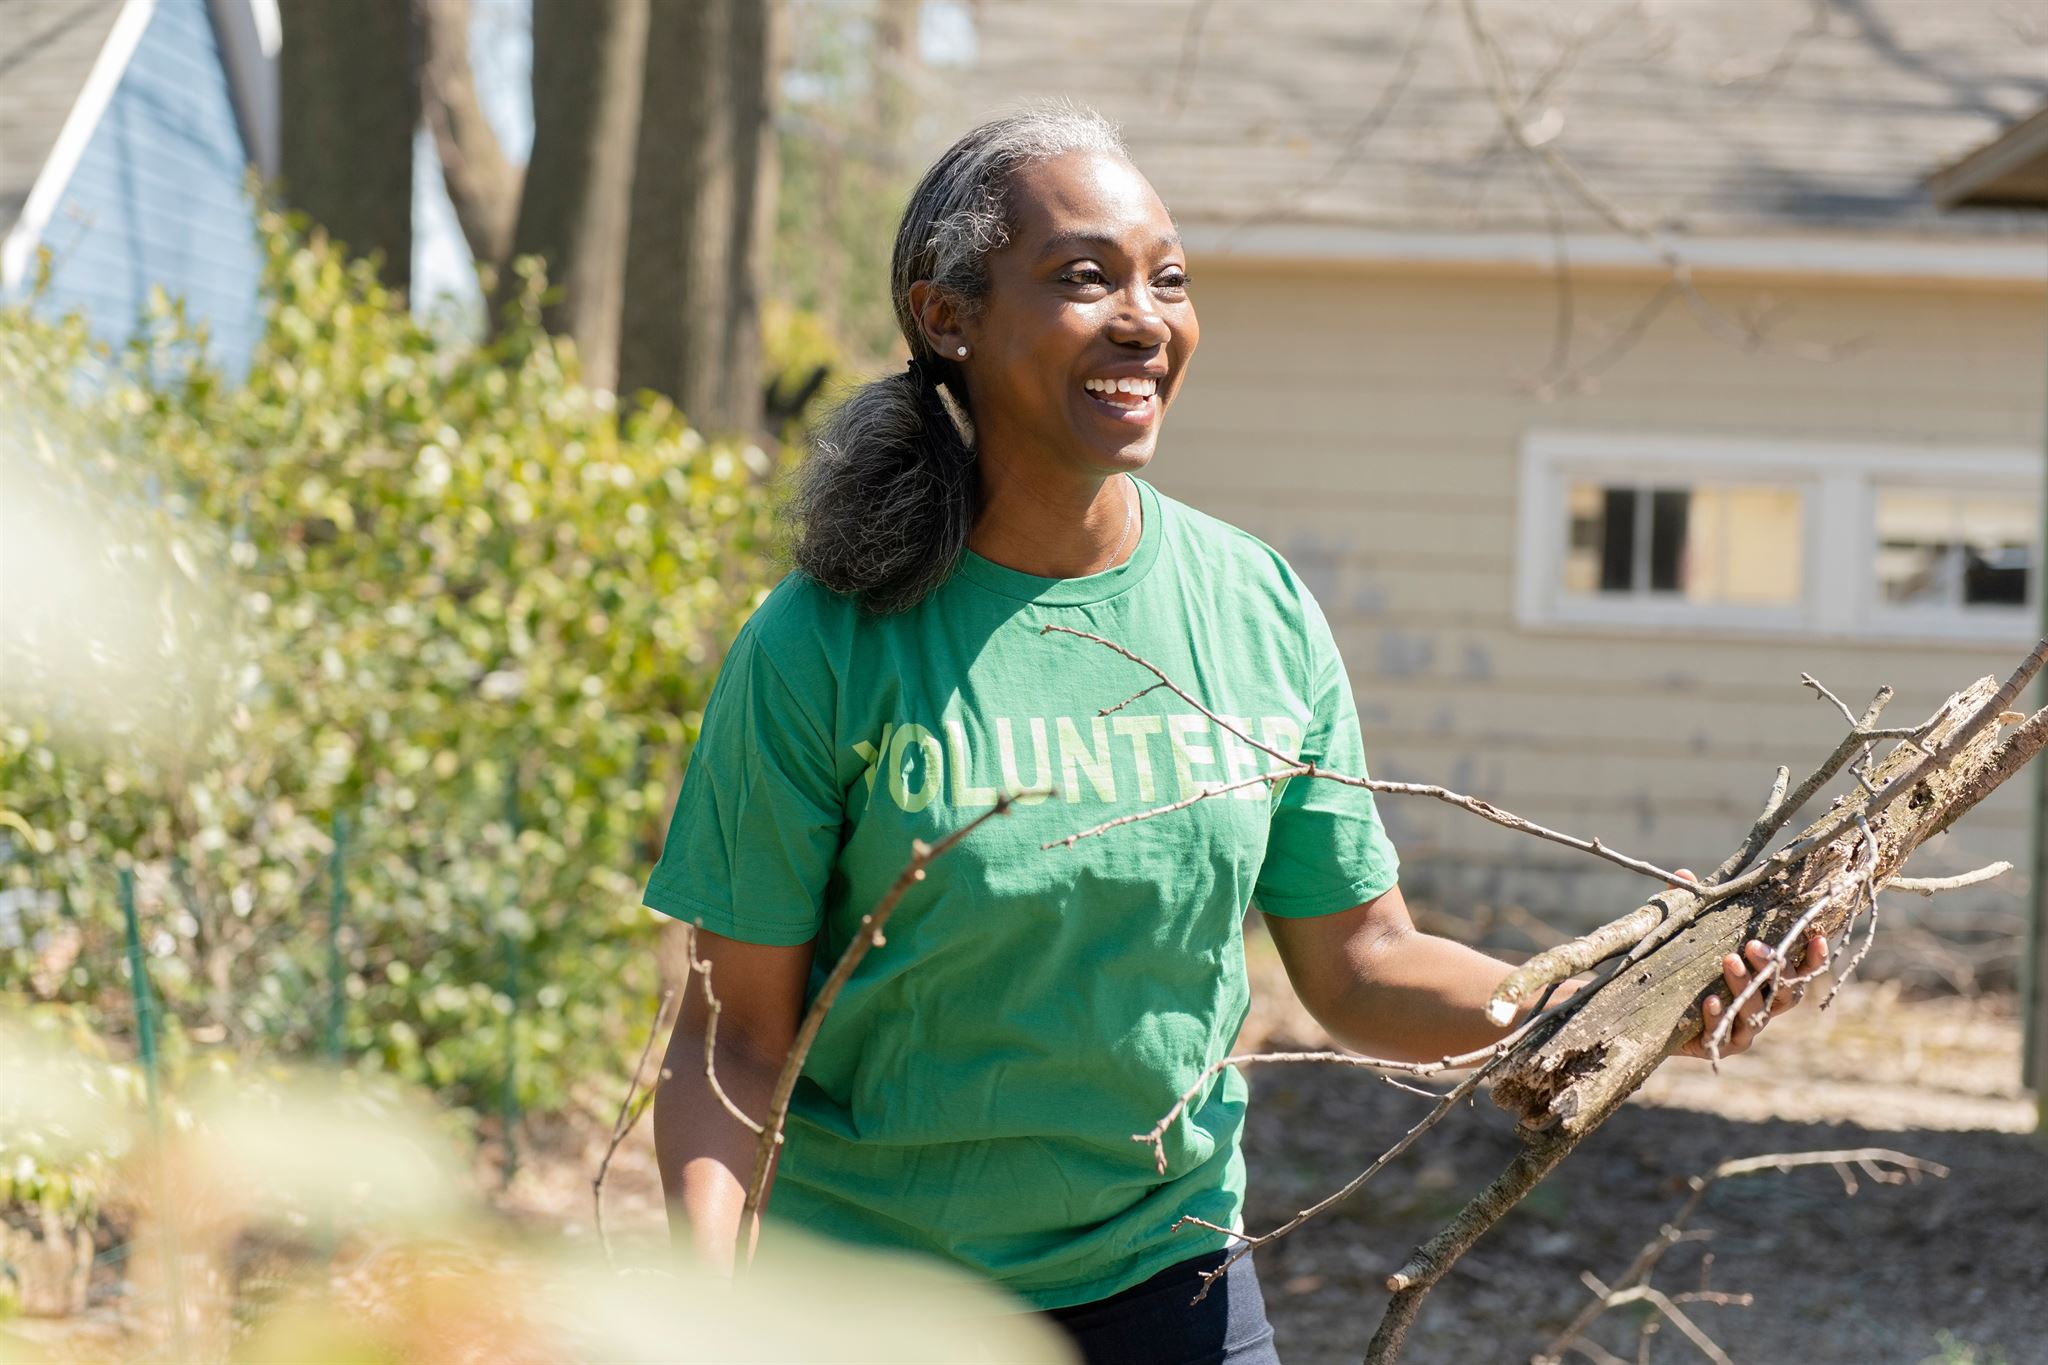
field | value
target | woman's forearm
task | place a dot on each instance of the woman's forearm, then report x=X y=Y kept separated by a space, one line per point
x=705 y=1154
x=1417 y=997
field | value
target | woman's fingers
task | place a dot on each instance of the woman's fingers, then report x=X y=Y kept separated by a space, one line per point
x=1737 y=969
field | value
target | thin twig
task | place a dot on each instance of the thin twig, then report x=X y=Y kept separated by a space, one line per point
x=702 y=967
x=1405 y=67
x=1216 y=789
x=1656 y=1299
x=1494 y=68
x=1486 y=1058
x=1930 y=886
x=869 y=935
x=1190 y=52
x=1783 y=808
x=629 y=1116
x=1673 y=1232
x=1294 y=767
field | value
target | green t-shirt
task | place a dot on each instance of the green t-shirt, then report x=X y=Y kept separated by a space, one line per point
x=973 y=1092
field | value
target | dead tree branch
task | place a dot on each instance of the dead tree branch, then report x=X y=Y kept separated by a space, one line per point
x=1292 y=767
x=1536 y=139
x=712 y=1010
x=1933 y=886
x=869 y=935
x=1637 y=1276
x=630 y=1109
x=1190 y=53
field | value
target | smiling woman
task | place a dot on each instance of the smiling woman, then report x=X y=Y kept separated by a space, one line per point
x=972 y=1093
x=1041 y=289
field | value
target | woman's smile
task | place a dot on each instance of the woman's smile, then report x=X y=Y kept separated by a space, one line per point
x=1129 y=400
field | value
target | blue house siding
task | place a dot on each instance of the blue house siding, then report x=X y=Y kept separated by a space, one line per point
x=157 y=199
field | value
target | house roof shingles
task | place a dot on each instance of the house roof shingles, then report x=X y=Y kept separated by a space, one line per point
x=47 y=48
x=1703 y=116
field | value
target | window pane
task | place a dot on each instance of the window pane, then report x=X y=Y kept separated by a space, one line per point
x=1746 y=545
x=1600 y=549
x=1669 y=508
x=1736 y=544
x=1941 y=549
x=1618 y=543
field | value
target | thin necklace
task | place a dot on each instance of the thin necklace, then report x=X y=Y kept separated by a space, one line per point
x=1129 y=513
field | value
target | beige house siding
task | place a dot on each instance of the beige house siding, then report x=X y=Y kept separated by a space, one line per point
x=1370 y=423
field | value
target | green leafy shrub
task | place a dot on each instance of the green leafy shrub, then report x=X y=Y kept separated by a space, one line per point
x=437 y=595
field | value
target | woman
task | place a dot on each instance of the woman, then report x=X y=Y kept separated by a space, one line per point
x=973 y=1092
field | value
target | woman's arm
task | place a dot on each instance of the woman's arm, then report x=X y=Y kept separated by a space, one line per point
x=705 y=1154
x=1384 y=988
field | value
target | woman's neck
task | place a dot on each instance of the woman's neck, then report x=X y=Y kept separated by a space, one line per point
x=1055 y=526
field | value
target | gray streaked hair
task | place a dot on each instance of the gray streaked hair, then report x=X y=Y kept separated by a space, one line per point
x=884 y=504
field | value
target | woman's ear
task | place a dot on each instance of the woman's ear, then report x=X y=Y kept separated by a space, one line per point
x=939 y=317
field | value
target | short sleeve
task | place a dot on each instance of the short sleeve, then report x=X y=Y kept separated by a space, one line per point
x=757 y=825
x=1326 y=849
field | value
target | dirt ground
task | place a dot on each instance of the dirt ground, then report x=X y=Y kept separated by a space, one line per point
x=1952 y=1270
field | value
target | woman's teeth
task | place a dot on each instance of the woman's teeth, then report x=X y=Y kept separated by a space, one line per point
x=1122 y=392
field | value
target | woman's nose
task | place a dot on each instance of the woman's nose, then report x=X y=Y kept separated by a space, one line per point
x=1138 y=322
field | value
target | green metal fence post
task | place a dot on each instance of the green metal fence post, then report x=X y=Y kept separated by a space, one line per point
x=145 y=1040
x=337 y=906
x=145 y=1008
x=508 y=955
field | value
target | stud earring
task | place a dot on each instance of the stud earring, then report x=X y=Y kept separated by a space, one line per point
x=961 y=352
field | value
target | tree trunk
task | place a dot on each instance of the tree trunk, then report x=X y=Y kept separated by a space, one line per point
x=756 y=45
x=351 y=101
x=674 y=308
x=482 y=185
x=702 y=209
x=588 y=60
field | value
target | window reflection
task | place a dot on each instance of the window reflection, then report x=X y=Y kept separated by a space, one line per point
x=1739 y=544
x=1942 y=549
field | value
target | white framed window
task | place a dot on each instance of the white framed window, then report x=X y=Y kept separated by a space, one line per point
x=1745 y=536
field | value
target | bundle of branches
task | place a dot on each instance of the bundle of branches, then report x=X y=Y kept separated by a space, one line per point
x=1569 y=1066
x=1563 y=1078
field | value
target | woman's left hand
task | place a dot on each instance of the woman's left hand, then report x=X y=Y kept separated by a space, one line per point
x=1766 y=1005
x=1736 y=972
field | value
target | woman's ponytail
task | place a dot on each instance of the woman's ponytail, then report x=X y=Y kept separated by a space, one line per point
x=884 y=504
x=887 y=498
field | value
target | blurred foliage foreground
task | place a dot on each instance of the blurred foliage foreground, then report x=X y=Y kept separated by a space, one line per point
x=376 y=672
x=322 y=1219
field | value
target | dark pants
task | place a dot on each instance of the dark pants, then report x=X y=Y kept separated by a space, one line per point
x=1153 y=1323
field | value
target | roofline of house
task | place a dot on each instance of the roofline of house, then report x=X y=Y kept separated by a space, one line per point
x=248 y=34
x=79 y=126
x=2019 y=148
x=2018 y=260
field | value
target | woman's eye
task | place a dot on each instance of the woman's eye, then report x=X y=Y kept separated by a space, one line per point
x=1086 y=275
x=1173 y=281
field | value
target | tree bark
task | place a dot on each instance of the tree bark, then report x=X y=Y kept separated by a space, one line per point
x=674 y=307
x=350 y=103
x=702 y=209
x=588 y=62
x=756 y=45
x=482 y=185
